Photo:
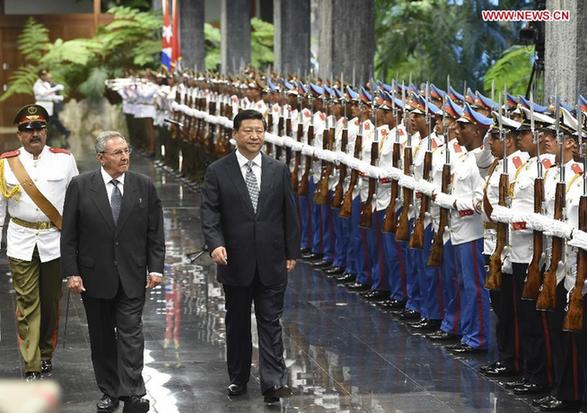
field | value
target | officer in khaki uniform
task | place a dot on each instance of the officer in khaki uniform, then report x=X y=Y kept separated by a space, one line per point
x=33 y=234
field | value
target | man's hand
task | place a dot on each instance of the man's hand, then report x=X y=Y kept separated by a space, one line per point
x=290 y=264
x=75 y=284
x=219 y=256
x=153 y=280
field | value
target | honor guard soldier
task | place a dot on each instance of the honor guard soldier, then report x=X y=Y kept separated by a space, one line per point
x=33 y=180
x=467 y=234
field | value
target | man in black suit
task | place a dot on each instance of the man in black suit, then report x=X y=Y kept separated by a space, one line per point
x=250 y=225
x=112 y=247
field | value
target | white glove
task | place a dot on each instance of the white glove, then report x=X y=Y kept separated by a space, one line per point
x=537 y=222
x=393 y=173
x=297 y=146
x=407 y=182
x=373 y=171
x=464 y=204
x=269 y=137
x=425 y=187
x=506 y=265
x=579 y=239
x=287 y=141
x=330 y=156
x=502 y=214
x=444 y=200
x=58 y=98
x=278 y=140
x=308 y=150
x=559 y=229
x=356 y=164
x=58 y=88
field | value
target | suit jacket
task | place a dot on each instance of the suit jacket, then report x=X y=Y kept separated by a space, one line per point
x=105 y=254
x=260 y=241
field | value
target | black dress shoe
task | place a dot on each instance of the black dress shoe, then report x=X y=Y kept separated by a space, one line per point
x=334 y=271
x=376 y=295
x=322 y=264
x=556 y=405
x=272 y=396
x=408 y=315
x=358 y=287
x=305 y=251
x=136 y=404
x=426 y=326
x=465 y=349
x=391 y=304
x=107 y=404
x=236 y=389
x=500 y=370
x=530 y=388
x=443 y=337
x=46 y=366
x=516 y=383
x=312 y=257
x=542 y=400
x=490 y=366
x=32 y=376
x=346 y=278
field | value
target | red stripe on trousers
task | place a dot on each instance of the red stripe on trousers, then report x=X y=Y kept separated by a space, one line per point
x=548 y=345
x=478 y=298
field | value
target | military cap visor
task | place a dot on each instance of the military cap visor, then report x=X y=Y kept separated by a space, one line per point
x=31 y=114
x=32 y=126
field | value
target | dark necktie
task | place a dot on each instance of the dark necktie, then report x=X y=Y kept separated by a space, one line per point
x=252 y=186
x=115 y=200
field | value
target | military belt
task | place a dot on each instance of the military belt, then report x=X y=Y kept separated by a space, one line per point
x=33 y=225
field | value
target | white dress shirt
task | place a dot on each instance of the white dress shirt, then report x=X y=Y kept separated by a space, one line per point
x=242 y=162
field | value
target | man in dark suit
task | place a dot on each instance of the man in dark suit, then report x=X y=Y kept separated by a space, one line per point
x=250 y=225
x=112 y=247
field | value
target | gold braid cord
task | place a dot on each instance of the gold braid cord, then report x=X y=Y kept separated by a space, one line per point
x=7 y=193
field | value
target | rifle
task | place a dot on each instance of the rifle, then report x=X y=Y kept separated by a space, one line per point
x=321 y=193
x=298 y=155
x=303 y=187
x=547 y=296
x=573 y=321
x=288 y=132
x=435 y=257
x=366 y=220
x=269 y=146
x=417 y=240
x=342 y=171
x=533 y=279
x=280 y=132
x=494 y=276
x=211 y=128
x=346 y=208
x=403 y=226
x=390 y=219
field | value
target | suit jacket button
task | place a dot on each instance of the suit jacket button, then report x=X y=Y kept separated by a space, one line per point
x=116 y=243
x=115 y=263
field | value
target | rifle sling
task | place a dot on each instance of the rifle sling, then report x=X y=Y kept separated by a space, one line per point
x=33 y=192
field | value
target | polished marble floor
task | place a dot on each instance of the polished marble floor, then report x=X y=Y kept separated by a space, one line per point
x=343 y=354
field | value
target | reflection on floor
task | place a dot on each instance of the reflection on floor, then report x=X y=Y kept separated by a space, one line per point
x=343 y=355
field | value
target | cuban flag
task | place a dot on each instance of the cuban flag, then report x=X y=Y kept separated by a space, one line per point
x=166 y=37
x=175 y=52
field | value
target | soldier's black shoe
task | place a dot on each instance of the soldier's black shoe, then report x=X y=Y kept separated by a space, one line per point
x=426 y=326
x=358 y=287
x=391 y=304
x=530 y=388
x=235 y=389
x=346 y=278
x=542 y=400
x=499 y=369
x=30 y=376
x=272 y=396
x=107 y=404
x=46 y=366
x=376 y=295
x=312 y=257
x=305 y=251
x=516 y=383
x=556 y=405
x=443 y=337
x=462 y=349
x=322 y=264
x=334 y=271
x=409 y=315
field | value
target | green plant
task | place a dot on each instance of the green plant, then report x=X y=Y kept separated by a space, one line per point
x=511 y=70
x=212 y=47
x=130 y=42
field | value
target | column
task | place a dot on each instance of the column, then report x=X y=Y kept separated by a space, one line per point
x=235 y=34
x=566 y=51
x=291 y=42
x=191 y=24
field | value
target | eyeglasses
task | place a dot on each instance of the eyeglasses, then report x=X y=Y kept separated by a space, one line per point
x=248 y=131
x=119 y=152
